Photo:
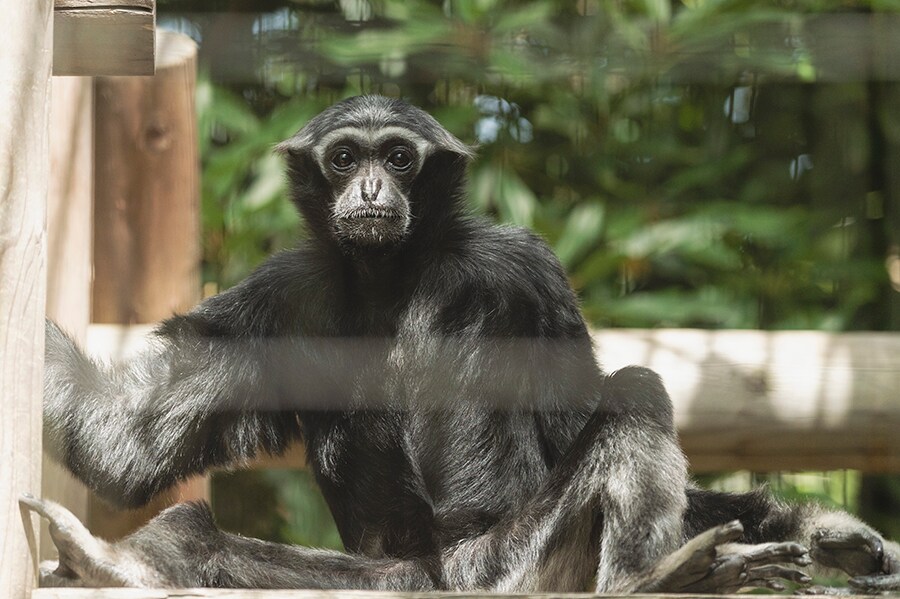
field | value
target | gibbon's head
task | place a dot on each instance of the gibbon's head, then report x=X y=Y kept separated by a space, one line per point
x=367 y=171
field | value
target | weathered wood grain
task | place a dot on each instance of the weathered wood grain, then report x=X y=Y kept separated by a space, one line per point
x=24 y=176
x=69 y=240
x=104 y=37
x=774 y=400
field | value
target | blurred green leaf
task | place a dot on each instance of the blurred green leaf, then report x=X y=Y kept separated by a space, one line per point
x=583 y=228
x=525 y=16
x=515 y=202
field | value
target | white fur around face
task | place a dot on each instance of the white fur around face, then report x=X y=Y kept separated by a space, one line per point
x=372 y=138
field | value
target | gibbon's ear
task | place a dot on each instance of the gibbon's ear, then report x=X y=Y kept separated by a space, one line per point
x=447 y=142
x=295 y=145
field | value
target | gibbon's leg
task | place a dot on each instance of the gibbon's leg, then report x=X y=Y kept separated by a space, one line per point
x=617 y=498
x=182 y=547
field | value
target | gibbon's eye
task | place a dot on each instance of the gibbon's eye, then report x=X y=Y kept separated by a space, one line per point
x=342 y=159
x=400 y=159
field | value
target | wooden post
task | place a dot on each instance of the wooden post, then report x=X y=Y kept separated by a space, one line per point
x=147 y=221
x=24 y=175
x=147 y=215
x=112 y=37
x=69 y=239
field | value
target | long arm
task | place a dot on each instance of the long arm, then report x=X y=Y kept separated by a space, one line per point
x=211 y=389
x=131 y=430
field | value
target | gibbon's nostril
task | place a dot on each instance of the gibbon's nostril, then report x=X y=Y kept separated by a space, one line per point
x=369 y=189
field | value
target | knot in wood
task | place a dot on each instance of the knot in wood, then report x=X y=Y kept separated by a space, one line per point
x=157 y=136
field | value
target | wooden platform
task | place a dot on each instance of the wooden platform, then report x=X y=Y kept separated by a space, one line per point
x=307 y=594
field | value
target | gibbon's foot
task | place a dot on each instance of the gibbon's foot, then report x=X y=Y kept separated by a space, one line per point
x=52 y=574
x=712 y=562
x=856 y=552
x=879 y=583
x=873 y=563
x=84 y=560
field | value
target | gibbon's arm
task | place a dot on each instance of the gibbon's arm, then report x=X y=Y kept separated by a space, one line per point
x=210 y=390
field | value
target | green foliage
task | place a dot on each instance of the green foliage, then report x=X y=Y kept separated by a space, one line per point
x=672 y=153
x=275 y=505
x=694 y=163
x=245 y=213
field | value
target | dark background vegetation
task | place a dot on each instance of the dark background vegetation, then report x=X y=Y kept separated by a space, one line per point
x=694 y=163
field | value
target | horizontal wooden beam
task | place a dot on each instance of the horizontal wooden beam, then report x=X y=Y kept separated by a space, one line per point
x=104 y=37
x=764 y=401
x=63 y=593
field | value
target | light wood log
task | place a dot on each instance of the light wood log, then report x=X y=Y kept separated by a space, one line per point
x=770 y=401
x=330 y=594
x=763 y=401
x=147 y=217
x=24 y=175
x=147 y=204
x=104 y=37
x=69 y=237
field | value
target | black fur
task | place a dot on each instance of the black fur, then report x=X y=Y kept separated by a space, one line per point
x=444 y=385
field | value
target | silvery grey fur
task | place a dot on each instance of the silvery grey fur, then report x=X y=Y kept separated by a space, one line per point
x=440 y=373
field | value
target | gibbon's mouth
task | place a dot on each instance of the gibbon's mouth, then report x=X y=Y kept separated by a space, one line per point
x=368 y=213
x=369 y=226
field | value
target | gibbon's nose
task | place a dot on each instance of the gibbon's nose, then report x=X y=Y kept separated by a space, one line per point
x=369 y=188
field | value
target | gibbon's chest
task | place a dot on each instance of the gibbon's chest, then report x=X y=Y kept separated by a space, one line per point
x=402 y=483
x=366 y=477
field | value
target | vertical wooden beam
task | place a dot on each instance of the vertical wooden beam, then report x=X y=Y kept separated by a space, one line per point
x=69 y=240
x=70 y=204
x=24 y=175
x=147 y=215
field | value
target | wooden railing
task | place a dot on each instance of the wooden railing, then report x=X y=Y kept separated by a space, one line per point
x=763 y=401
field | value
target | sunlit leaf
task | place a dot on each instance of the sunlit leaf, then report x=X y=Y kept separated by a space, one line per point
x=516 y=203
x=583 y=228
x=523 y=17
x=268 y=185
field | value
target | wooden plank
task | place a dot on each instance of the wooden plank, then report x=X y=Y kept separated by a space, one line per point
x=104 y=37
x=147 y=219
x=24 y=176
x=774 y=400
x=69 y=238
x=755 y=400
x=333 y=594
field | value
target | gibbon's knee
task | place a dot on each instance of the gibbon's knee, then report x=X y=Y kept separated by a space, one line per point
x=639 y=391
